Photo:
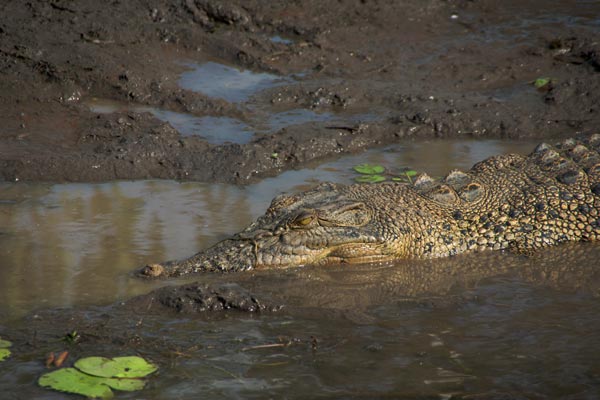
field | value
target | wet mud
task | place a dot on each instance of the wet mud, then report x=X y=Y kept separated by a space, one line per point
x=414 y=68
x=198 y=298
x=457 y=324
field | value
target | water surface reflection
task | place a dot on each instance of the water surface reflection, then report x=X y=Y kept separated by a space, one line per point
x=76 y=243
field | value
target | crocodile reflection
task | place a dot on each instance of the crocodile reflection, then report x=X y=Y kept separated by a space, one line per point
x=570 y=267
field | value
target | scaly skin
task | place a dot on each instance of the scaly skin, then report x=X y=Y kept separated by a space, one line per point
x=506 y=201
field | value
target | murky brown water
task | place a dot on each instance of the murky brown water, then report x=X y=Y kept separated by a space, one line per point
x=484 y=324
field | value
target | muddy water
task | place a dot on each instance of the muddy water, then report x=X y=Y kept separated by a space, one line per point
x=485 y=324
x=461 y=332
x=76 y=243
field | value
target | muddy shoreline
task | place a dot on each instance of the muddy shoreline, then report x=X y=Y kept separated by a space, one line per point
x=420 y=69
x=352 y=75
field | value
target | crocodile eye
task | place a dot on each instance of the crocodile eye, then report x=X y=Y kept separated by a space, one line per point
x=303 y=219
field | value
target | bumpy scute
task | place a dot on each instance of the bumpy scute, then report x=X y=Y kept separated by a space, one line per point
x=457 y=179
x=443 y=194
x=424 y=182
x=472 y=192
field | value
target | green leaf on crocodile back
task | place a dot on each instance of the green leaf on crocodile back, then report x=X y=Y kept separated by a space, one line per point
x=410 y=174
x=369 y=178
x=369 y=169
x=406 y=177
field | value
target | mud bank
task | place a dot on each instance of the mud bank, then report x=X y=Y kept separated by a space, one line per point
x=416 y=68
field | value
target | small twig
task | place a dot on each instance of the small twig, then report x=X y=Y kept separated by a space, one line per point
x=264 y=346
x=274 y=364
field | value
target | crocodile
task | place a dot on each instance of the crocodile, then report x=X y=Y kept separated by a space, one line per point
x=509 y=201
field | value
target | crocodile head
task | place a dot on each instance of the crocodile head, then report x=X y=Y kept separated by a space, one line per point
x=325 y=225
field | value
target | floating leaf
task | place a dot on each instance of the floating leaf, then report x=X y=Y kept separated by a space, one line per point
x=410 y=172
x=71 y=380
x=95 y=376
x=369 y=178
x=400 y=179
x=541 y=82
x=118 y=367
x=125 y=384
x=5 y=344
x=369 y=169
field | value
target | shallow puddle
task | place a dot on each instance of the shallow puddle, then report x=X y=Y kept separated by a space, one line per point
x=225 y=82
x=234 y=85
x=476 y=324
x=279 y=39
x=218 y=130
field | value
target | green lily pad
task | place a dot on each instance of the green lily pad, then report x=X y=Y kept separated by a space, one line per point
x=410 y=172
x=4 y=344
x=369 y=178
x=71 y=380
x=400 y=179
x=118 y=367
x=369 y=169
x=125 y=384
x=541 y=82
